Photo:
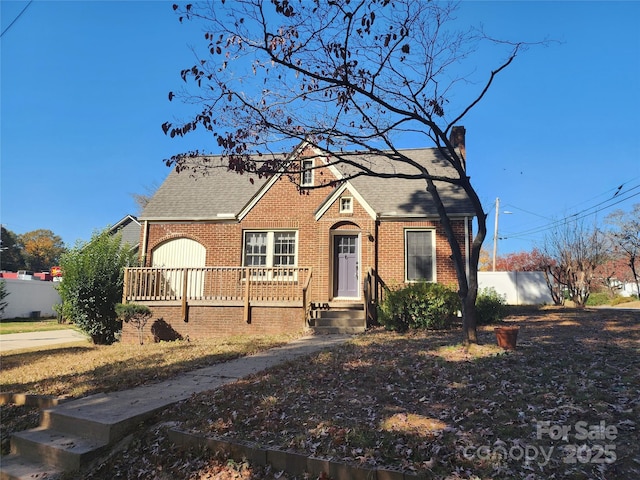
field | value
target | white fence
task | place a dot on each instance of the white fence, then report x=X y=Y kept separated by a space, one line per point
x=519 y=288
x=30 y=298
x=628 y=289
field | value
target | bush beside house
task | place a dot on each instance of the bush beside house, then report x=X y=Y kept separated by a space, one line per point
x=433 y=306
x=92 y=285
x=419 y=305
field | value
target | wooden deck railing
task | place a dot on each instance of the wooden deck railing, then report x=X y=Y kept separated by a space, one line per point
x=246 y=284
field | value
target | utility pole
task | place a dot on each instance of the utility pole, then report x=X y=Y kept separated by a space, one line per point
x=495 y=235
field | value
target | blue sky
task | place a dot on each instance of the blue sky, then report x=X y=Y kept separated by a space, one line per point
x=84 y=89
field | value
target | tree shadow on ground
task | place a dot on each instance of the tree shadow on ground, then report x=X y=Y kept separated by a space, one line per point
x=423 y=401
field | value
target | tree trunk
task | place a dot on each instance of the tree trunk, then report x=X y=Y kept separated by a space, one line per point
x=469 y=320
x=467 y=284
x=555 y=287
x=632 y=264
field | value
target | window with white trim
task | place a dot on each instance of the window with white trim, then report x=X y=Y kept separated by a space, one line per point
x=306 y=173
x=270 y=249
x=255 y=249
x=284 y=249
x=419 y=255
x=346 y=204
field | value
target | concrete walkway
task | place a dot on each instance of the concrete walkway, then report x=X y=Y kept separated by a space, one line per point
x=75 y=433
x=17 y=341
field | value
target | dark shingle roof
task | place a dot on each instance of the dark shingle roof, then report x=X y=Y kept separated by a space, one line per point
x=405 y=197
x=129 y=228
x=223 y=194
x=203 y=197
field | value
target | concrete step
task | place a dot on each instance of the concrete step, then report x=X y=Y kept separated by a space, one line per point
x=16 y=467
x=339 y=322
x=359 y=314
x=90 y=428
x=61 y=450
x=339 y=319
x=338 y=330
x=97 y=425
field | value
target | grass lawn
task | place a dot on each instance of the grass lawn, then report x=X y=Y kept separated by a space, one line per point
x=564 y=405
x=82 y=369
x=24 y=325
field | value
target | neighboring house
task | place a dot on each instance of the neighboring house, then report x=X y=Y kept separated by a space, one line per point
x=226 y=255
x=129 y=227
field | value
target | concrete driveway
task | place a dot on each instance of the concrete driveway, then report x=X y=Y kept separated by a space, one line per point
x=16 y=341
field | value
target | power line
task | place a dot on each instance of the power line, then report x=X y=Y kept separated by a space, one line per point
x=616 y=190
x=510 y=205
x=16 y=19
x=579 y=215
x=592 y=210
x=568 y=219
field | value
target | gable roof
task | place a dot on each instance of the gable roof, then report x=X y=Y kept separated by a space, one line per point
x=337 y=193
x=129 y=228
x=219 y=195
x=223 y=195
x=399 y=197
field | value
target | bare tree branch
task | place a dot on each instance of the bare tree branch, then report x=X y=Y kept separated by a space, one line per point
x=346 y=77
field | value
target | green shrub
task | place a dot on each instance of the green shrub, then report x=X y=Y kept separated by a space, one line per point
x=136 y=314
x=598 y=298
x=491 y=307
x=618 y=300
x=92 y=284
x=419 y=305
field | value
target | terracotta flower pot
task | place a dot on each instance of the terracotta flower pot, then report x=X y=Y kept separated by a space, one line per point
x=507 y=337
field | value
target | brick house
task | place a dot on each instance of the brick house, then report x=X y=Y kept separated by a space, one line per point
x=224 y=254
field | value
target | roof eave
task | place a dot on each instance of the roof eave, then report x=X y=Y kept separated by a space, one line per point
x=418 y=216
x=219 y=219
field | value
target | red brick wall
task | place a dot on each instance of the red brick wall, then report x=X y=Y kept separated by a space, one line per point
x=391 y=266
x=221 y=240
x=217 y=322
x=284 y=207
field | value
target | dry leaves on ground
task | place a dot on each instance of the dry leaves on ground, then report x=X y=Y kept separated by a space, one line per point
x=423 y=403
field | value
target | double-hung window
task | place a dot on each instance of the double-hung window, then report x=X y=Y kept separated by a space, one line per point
x=419 y=255
x=306 y=173
x=284 y=249
x=273 y=251
x=255 y=249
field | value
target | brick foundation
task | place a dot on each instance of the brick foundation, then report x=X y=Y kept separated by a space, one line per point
x=215 y=322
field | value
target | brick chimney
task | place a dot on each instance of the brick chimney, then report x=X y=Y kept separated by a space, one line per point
x=457 y=139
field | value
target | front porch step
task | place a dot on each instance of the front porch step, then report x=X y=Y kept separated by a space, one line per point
x=345 y=319
x=341 y=314
x=338 y=330
x=339 y=322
